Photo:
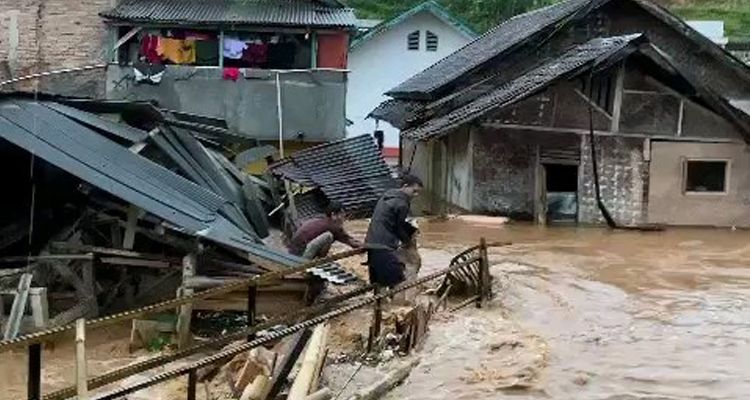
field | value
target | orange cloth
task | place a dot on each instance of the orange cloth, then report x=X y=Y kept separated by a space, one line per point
x=176 y=50
x=333 y=50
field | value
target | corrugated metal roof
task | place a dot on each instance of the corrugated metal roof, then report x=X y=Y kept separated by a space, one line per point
x=525 y=85
x=64 y=142
x=233 y=12
x=351 y=171
x=486 y=47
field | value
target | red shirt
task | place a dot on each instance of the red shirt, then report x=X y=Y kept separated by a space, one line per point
x=315 y=227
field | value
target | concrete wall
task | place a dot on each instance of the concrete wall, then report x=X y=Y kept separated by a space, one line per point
x=384 y=61
x=669 y=205
x=44 y=35
x=313 y=102
x=623 y=174
x=504 y=173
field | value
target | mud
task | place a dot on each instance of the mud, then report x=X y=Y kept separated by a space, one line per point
x=593 y=314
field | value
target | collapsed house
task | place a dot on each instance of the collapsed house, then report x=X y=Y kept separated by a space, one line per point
x=108 y=197
x=580 y=111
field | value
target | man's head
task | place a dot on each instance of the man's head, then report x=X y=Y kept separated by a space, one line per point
x=335 y=211
x=411 y=185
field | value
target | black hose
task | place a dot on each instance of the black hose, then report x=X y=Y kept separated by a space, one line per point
x=592 y=138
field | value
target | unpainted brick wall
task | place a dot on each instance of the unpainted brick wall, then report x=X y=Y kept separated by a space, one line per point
x=623 y=174
x=503 y=174
x=46 y=35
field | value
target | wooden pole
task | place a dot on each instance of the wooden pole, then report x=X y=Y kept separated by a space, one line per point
x=186 y=311
x=377 y=315
x=484 y=278
x=280 y=376
x=192 y=383
x=306 y=375
x=81 y=373
x=252 y=294
x=34 y=388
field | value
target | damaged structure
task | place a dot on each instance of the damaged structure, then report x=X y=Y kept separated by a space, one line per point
x=582 y=110
x=119 y=203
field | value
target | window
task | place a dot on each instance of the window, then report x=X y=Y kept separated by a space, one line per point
x=413 y=41
x=432 y=41
x=706 y=176
x=601 y=90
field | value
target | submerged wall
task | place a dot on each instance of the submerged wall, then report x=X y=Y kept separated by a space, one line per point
x=313 y=101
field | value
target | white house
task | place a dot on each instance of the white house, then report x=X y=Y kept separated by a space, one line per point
x=392 y=52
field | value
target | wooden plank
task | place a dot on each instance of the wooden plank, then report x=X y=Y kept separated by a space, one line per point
x=189 y=265
x=81 y=371
x=130 y=228
x=127 y=37
x=39 y=307
x=306 y=376
x=279 y=377
x=18 y=307
x=134 y=262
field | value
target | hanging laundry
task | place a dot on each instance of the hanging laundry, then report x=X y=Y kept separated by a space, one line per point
x=148 y=73
x=233 y=48
x=256 y=54
x=178 y=51
x=192 y=35
x=231 y=74
x=149 y=48
x=207 y=52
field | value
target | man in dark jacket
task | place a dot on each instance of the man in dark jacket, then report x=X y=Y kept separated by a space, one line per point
x=389 y=229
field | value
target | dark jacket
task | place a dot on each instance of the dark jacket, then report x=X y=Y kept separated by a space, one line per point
x=388 y=226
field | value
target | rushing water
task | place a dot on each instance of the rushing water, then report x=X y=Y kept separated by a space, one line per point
x=594 y=314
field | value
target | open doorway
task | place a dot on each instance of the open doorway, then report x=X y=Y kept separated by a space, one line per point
x=561 y=188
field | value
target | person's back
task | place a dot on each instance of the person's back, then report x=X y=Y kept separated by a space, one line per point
x=385 y=229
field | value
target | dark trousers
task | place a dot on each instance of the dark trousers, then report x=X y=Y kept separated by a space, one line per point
x=385 y=268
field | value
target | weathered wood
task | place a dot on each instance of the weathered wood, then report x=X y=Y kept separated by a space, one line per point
x=322 y=394
x=134 y=262
x=19 y=306
x=128 y=240
x=67 y=273
x=183 y=320
x=391 y=380
x=71 y=314
x=81 y=371
x=88 y=273
x=279 y=377
x=257 y=389
x=315 y=348
x=45 y=257
x=39 y=307
x=34 y=371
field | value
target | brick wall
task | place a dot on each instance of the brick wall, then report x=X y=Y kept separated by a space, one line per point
x=623 y=174
x=503 y=174
x=45 y=35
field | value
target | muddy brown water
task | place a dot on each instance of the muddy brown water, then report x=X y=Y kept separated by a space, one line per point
x=585 y=313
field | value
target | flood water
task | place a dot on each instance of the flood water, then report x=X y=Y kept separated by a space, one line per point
x=584 y=313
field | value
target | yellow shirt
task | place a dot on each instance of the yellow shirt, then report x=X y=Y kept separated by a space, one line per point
x=178 y=51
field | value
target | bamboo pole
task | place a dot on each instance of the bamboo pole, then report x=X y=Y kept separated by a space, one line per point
x=81 y=373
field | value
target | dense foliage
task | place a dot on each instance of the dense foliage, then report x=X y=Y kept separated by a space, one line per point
x=484 y=14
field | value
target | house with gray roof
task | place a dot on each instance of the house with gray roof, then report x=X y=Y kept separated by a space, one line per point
x=586 y=111
x=240 y=61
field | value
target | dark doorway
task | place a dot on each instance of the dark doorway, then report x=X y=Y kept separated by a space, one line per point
x=562 y=192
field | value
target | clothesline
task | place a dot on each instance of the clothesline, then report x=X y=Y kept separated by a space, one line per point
x=55 y=72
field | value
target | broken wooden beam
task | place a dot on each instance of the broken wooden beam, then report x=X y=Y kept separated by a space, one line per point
x=189 y=265
x=391 y=380
x=280 y=376
x=19 y=306
x=302 y=385
x=81 y=371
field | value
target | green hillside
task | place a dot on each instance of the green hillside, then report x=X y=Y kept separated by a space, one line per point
x=484 y=14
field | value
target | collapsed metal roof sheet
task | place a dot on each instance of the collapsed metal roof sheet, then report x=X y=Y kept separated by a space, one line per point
x=63 y=141
x=232 y=12
x=351 y=171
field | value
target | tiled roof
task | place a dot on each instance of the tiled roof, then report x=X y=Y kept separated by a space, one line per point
x=351 y=171
x=486 y=47
x=525 y=85
x=397 y=112
x=233 y=12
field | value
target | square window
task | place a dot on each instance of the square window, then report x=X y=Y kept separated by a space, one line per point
x=706 y=176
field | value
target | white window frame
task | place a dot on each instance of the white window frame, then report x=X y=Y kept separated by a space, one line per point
x=727 y=175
